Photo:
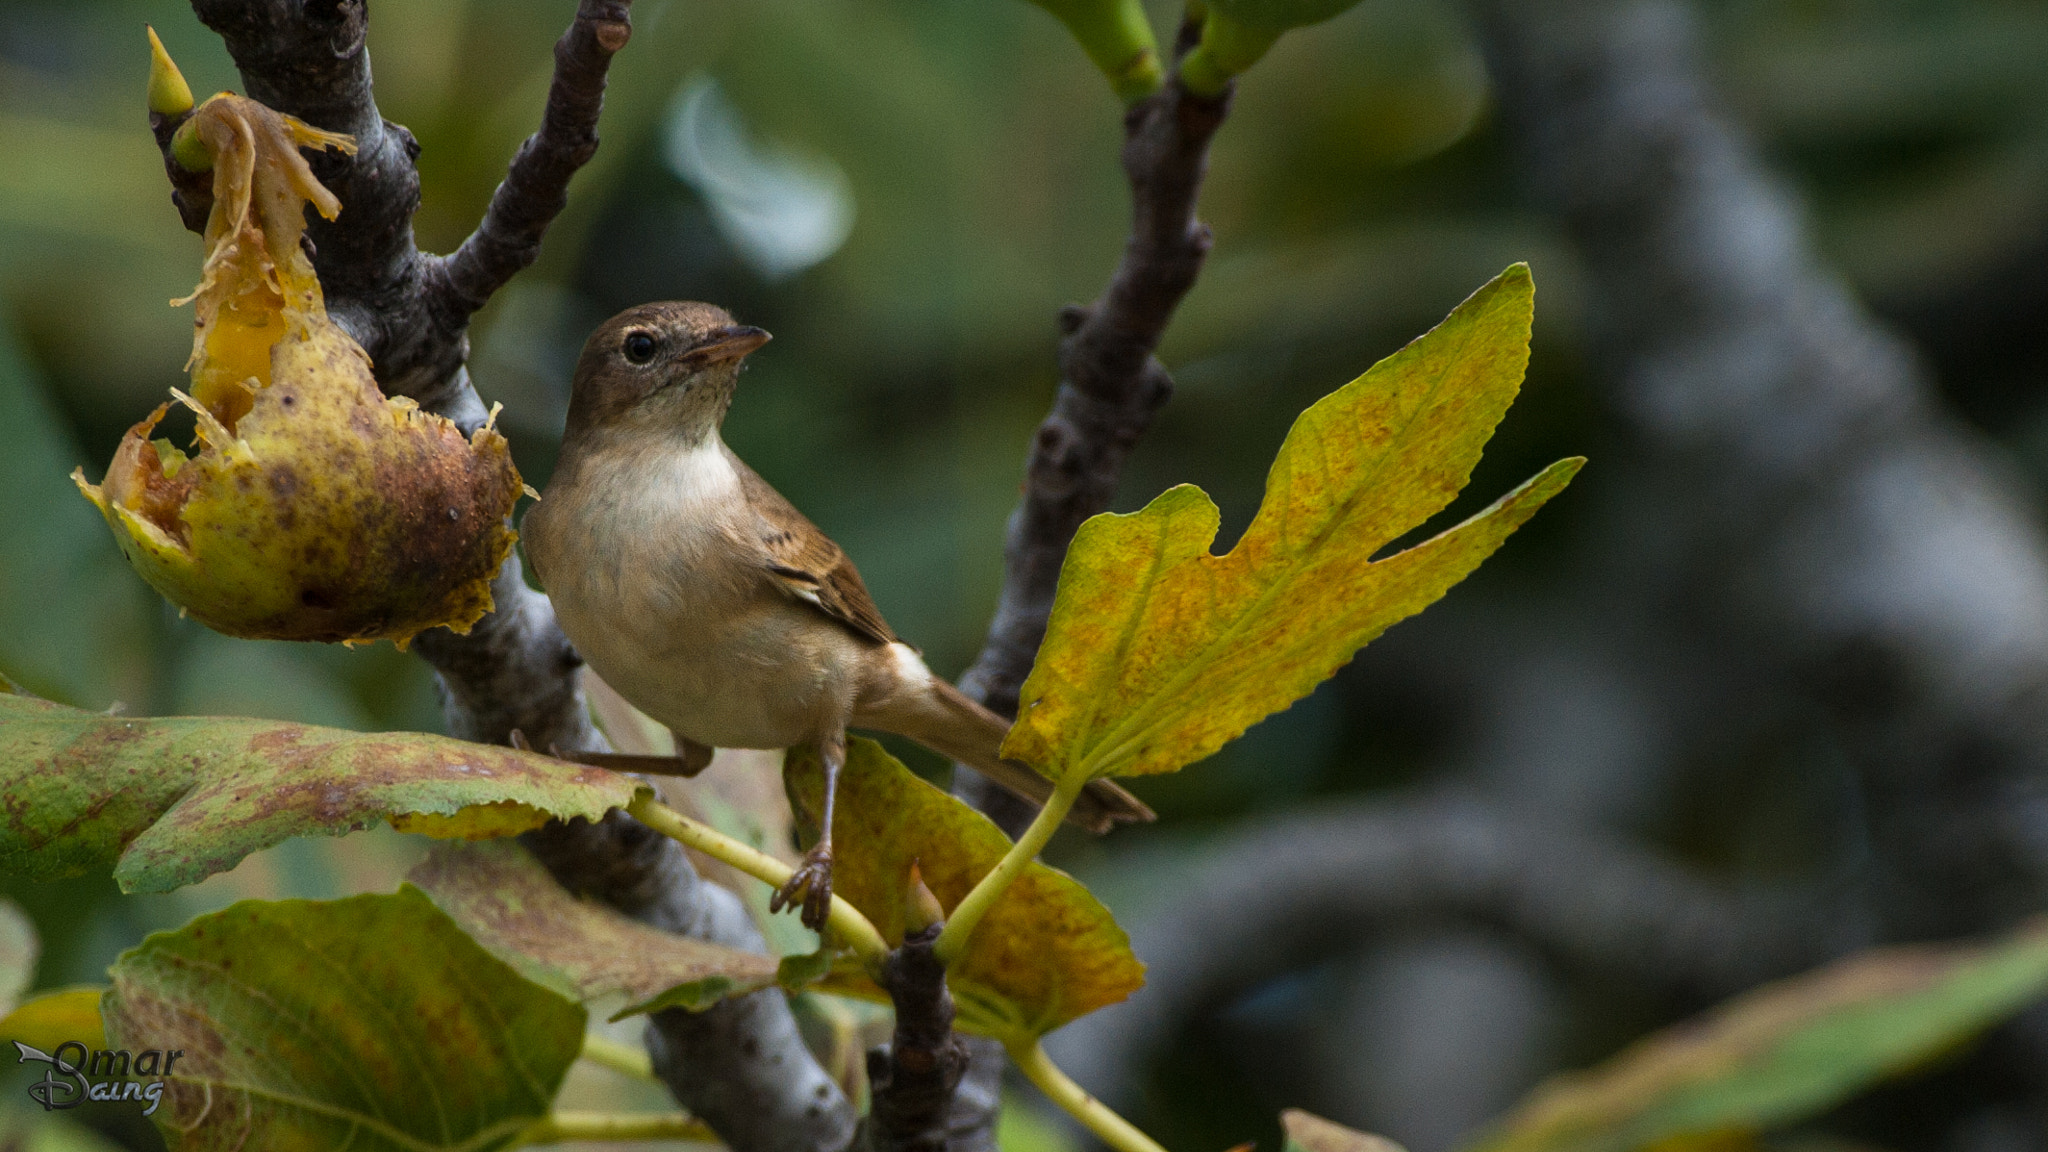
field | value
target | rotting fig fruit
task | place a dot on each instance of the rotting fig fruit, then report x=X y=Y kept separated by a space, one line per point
x=315 y=508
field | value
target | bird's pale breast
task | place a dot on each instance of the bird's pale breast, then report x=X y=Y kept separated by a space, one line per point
x=656 y=580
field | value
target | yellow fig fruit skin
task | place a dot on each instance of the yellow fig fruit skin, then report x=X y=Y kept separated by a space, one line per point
x=316 y=508
x=334 y=515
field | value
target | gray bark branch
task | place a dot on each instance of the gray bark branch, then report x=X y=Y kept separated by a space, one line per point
x=1867 y=551
x=1111 y=387
x=1304 y=887
x=740 y=1066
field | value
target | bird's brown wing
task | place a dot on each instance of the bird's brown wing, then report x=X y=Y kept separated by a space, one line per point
x=806 y=560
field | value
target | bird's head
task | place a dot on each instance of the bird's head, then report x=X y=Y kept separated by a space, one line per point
x=669 y=367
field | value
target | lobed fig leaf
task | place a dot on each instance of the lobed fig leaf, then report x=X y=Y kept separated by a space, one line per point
x=1158 y=653
x=370 y=1023
x=1783 y=1052
x=511 y=905
x=1046 y=952
x=171 y=801
x=315 y=507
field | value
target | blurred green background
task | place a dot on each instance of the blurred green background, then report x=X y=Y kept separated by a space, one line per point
x=904 y=192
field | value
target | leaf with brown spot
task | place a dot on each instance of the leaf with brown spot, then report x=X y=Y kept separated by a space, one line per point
x=508 y=903
x=1046 y=953
x=370 y=1023
x=171 y=801
x=1784 y=1051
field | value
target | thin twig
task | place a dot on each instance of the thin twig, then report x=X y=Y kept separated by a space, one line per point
x=844 y=919
x=1111 y=386
x=536 y=186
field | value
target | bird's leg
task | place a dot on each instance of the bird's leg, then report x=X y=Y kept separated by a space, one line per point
x=812 y=882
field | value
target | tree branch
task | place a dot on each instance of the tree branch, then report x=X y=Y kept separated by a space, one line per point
x=1865 y=549
x=913 y=1077
x=1307 y=886
x=536 y=187
x=740 y=1066
x=1110 y=386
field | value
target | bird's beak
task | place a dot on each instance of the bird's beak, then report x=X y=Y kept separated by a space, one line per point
x=728 y=343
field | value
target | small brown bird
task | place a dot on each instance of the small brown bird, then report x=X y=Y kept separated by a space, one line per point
x=710 y=603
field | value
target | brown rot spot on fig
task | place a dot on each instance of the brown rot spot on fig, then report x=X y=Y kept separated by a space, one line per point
x=316 y=508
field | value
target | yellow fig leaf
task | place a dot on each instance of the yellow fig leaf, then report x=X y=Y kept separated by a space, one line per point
x=1046 y=953
x=1158 y=653
x=53 y=1018
x=1783 y=1052
x=314 y=507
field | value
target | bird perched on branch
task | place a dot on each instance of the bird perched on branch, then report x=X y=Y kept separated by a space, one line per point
x=711 y=603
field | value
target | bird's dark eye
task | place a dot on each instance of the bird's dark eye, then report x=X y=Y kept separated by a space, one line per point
x=639 y=347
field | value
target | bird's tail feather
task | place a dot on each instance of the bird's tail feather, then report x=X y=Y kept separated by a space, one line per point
x=946 y=721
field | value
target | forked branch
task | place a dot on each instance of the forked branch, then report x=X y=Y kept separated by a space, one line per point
x=740 y=1066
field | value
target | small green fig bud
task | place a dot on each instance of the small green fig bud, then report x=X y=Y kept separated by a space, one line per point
x=169 y=95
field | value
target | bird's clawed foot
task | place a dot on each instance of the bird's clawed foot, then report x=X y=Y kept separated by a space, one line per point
x=811 y=886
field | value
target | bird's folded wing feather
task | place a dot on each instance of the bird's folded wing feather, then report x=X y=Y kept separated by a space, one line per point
x=807 y=562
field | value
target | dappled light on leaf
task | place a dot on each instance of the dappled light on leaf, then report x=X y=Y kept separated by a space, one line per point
x=171 y=801
x=510 y=904
x=370 y=1023
x=314 y=508
x=1158 y=653
x=1046 y=953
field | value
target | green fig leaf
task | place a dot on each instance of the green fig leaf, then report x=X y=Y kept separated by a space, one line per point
x=510 y=904
x=1046 y=953
x=370 y=1023
x=1785 y=1051
x=1158 y=652
x=22 y=1131
x=171 y=801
